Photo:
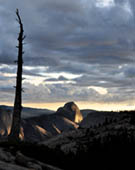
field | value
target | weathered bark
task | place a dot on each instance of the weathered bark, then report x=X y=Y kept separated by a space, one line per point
x=16 y=122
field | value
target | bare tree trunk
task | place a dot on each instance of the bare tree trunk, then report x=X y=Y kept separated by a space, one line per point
x=16 y=122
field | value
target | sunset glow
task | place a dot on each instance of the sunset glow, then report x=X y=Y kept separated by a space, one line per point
x=81 y=105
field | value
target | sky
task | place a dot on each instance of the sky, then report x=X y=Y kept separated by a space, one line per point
x=76 y=50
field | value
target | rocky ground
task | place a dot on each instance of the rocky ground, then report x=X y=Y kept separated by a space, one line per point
x=18 y=161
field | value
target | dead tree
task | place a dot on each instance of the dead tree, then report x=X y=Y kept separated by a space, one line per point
x=16 y=121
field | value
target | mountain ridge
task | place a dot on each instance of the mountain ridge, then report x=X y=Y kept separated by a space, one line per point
x=43 y=126
x=107 y=141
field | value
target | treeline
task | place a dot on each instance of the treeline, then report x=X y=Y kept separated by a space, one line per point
x=114 y=151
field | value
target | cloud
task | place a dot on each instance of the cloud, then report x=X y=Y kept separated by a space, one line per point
x=60 y=78
x=7 y=89
x=129 y=72
x=52 y=37
x=82 y=38
x=56 y=93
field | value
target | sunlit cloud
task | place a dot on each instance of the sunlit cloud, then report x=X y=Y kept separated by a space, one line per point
x=100 y=90
x=105 y=3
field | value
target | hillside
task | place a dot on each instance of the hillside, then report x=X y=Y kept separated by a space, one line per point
x=95 y=118
x=108 y=146
x=46 y=125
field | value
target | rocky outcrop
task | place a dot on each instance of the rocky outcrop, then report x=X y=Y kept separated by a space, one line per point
x=42 y=127
x=5 y=121
x=21 y=162
x=71 y=111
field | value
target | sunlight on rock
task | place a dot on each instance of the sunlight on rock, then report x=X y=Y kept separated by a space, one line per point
x=21 y=135
x=8 y=129
x=5 y=131
x=78 y=115
x=2 y=132
x=78 y=118
x=42 y=130
x=54 y=126
x=71 y=122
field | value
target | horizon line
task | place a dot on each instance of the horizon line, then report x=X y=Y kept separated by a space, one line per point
x=81 y=104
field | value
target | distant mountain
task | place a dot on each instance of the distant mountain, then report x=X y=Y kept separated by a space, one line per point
x=27 y=112
x=71 y=111
x=43 y=126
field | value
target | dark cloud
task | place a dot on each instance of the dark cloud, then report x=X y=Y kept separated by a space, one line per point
x=73 y=33
x=60 y=78
x=129 y=72
x=7 y=89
